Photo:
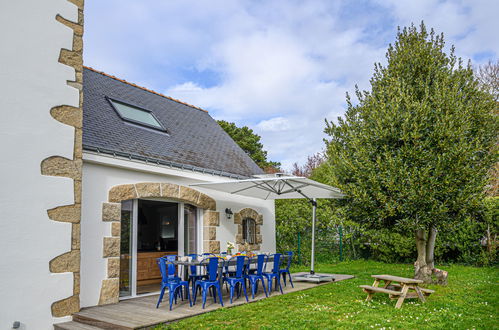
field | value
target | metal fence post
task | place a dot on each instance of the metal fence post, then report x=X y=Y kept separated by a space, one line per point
x=341 y=242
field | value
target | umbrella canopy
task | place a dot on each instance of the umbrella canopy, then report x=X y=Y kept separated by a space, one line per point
x=275 y=187
x=280 y=186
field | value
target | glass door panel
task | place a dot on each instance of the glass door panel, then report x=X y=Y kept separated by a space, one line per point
x=190 y=229
x=157 y=236
x=126 y=248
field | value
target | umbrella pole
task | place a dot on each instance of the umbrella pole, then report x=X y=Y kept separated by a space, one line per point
x=312 y=262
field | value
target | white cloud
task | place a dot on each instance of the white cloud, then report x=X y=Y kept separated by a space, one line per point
x=277 y=66
x=274 y=124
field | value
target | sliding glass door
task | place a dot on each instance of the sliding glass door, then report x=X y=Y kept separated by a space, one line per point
x=151 y=229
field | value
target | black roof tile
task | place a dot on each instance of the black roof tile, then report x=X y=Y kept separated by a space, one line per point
x=194 y=138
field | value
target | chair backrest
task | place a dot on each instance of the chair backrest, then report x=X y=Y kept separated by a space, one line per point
x=277 y=262
x=241 y=263
x=261 y=259
x=193 y=269
x=209 y=255
x=167 y=269
x=211 y=267
x=170 y=257
x=290 y=257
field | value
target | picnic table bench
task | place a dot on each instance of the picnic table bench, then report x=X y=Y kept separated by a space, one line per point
x=403 y=288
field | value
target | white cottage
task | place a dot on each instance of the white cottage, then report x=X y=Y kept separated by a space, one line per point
x=141 y=152
x=90 y=197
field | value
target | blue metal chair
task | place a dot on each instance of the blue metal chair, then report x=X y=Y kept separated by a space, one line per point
x=285 y=271
x=194 y=275
x=171 y=281
x=239 y=275
x=211 y=282
x=257 y=276
x=274 y=274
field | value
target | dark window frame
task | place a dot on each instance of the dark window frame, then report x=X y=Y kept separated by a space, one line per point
x=136 y=122
x=249 y=222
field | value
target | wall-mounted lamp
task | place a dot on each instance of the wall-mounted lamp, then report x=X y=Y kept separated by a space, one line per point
x=228 y=213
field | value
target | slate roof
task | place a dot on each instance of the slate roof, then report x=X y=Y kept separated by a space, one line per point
x=193 y=137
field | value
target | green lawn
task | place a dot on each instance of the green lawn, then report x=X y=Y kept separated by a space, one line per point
x=471 y=300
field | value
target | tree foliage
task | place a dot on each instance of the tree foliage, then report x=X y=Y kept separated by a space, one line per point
x=250 y=143
x=414 y=152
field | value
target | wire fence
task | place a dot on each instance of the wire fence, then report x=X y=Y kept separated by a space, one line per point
x=334 y=244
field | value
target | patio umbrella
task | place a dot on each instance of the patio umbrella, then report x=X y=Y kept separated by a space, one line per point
x=279 y=186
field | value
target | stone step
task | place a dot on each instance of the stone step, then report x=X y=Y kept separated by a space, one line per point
x=72 y=325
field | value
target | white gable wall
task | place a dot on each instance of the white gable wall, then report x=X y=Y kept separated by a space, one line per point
x=99 y=178
x=32 y=82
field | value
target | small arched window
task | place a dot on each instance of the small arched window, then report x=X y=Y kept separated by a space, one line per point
x=249 y=230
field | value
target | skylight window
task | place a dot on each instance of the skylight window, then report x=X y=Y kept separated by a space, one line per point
x=136 y=115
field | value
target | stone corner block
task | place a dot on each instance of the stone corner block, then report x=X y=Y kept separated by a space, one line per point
x=259 y=219
x=238 y=219
x=148 y=189
x=239 y=239
x=66 y=213
x=206 y=202
x=109 y=292
x=60 y=166
x=255 y=247
x=211 y=246
x=189 y=195
x=116 y=229
x=66 y=307
x=111 y=211
x=170 y=190
x=67 y=262
x=113 y=267
x=210 y=233
x=211 y=218
x=111 y=247
x=122 y=192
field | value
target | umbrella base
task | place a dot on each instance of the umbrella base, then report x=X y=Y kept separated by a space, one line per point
x=315 y=278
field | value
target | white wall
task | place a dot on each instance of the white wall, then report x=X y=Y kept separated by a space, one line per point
x=98 y=180
x=31 y=83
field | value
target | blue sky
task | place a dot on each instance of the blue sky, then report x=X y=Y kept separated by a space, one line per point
x=279 y=67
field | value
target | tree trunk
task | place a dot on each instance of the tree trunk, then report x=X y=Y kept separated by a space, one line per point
x=424 y=267
x=351 y=242
x=421 y=270
x=430 y=247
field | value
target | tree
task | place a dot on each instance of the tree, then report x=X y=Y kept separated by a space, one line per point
x=488 y=77
x=306 y=169
x=414 y=153
x=250 y=143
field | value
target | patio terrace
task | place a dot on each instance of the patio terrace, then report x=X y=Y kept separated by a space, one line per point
x=141 y=313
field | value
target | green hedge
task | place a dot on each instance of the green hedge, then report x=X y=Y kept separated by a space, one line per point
x=465 y=243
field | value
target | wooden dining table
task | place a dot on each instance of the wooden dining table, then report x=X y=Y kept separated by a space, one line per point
x=397 y=287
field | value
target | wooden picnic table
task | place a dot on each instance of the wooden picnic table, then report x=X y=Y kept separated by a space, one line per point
x=396 y=287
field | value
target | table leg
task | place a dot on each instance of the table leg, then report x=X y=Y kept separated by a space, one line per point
x=401 y=299
x=387 y=283
x=370 y=294
x=420 y=294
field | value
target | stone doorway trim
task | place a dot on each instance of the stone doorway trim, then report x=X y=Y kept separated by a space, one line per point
x=238 y=220
x=111 y=213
